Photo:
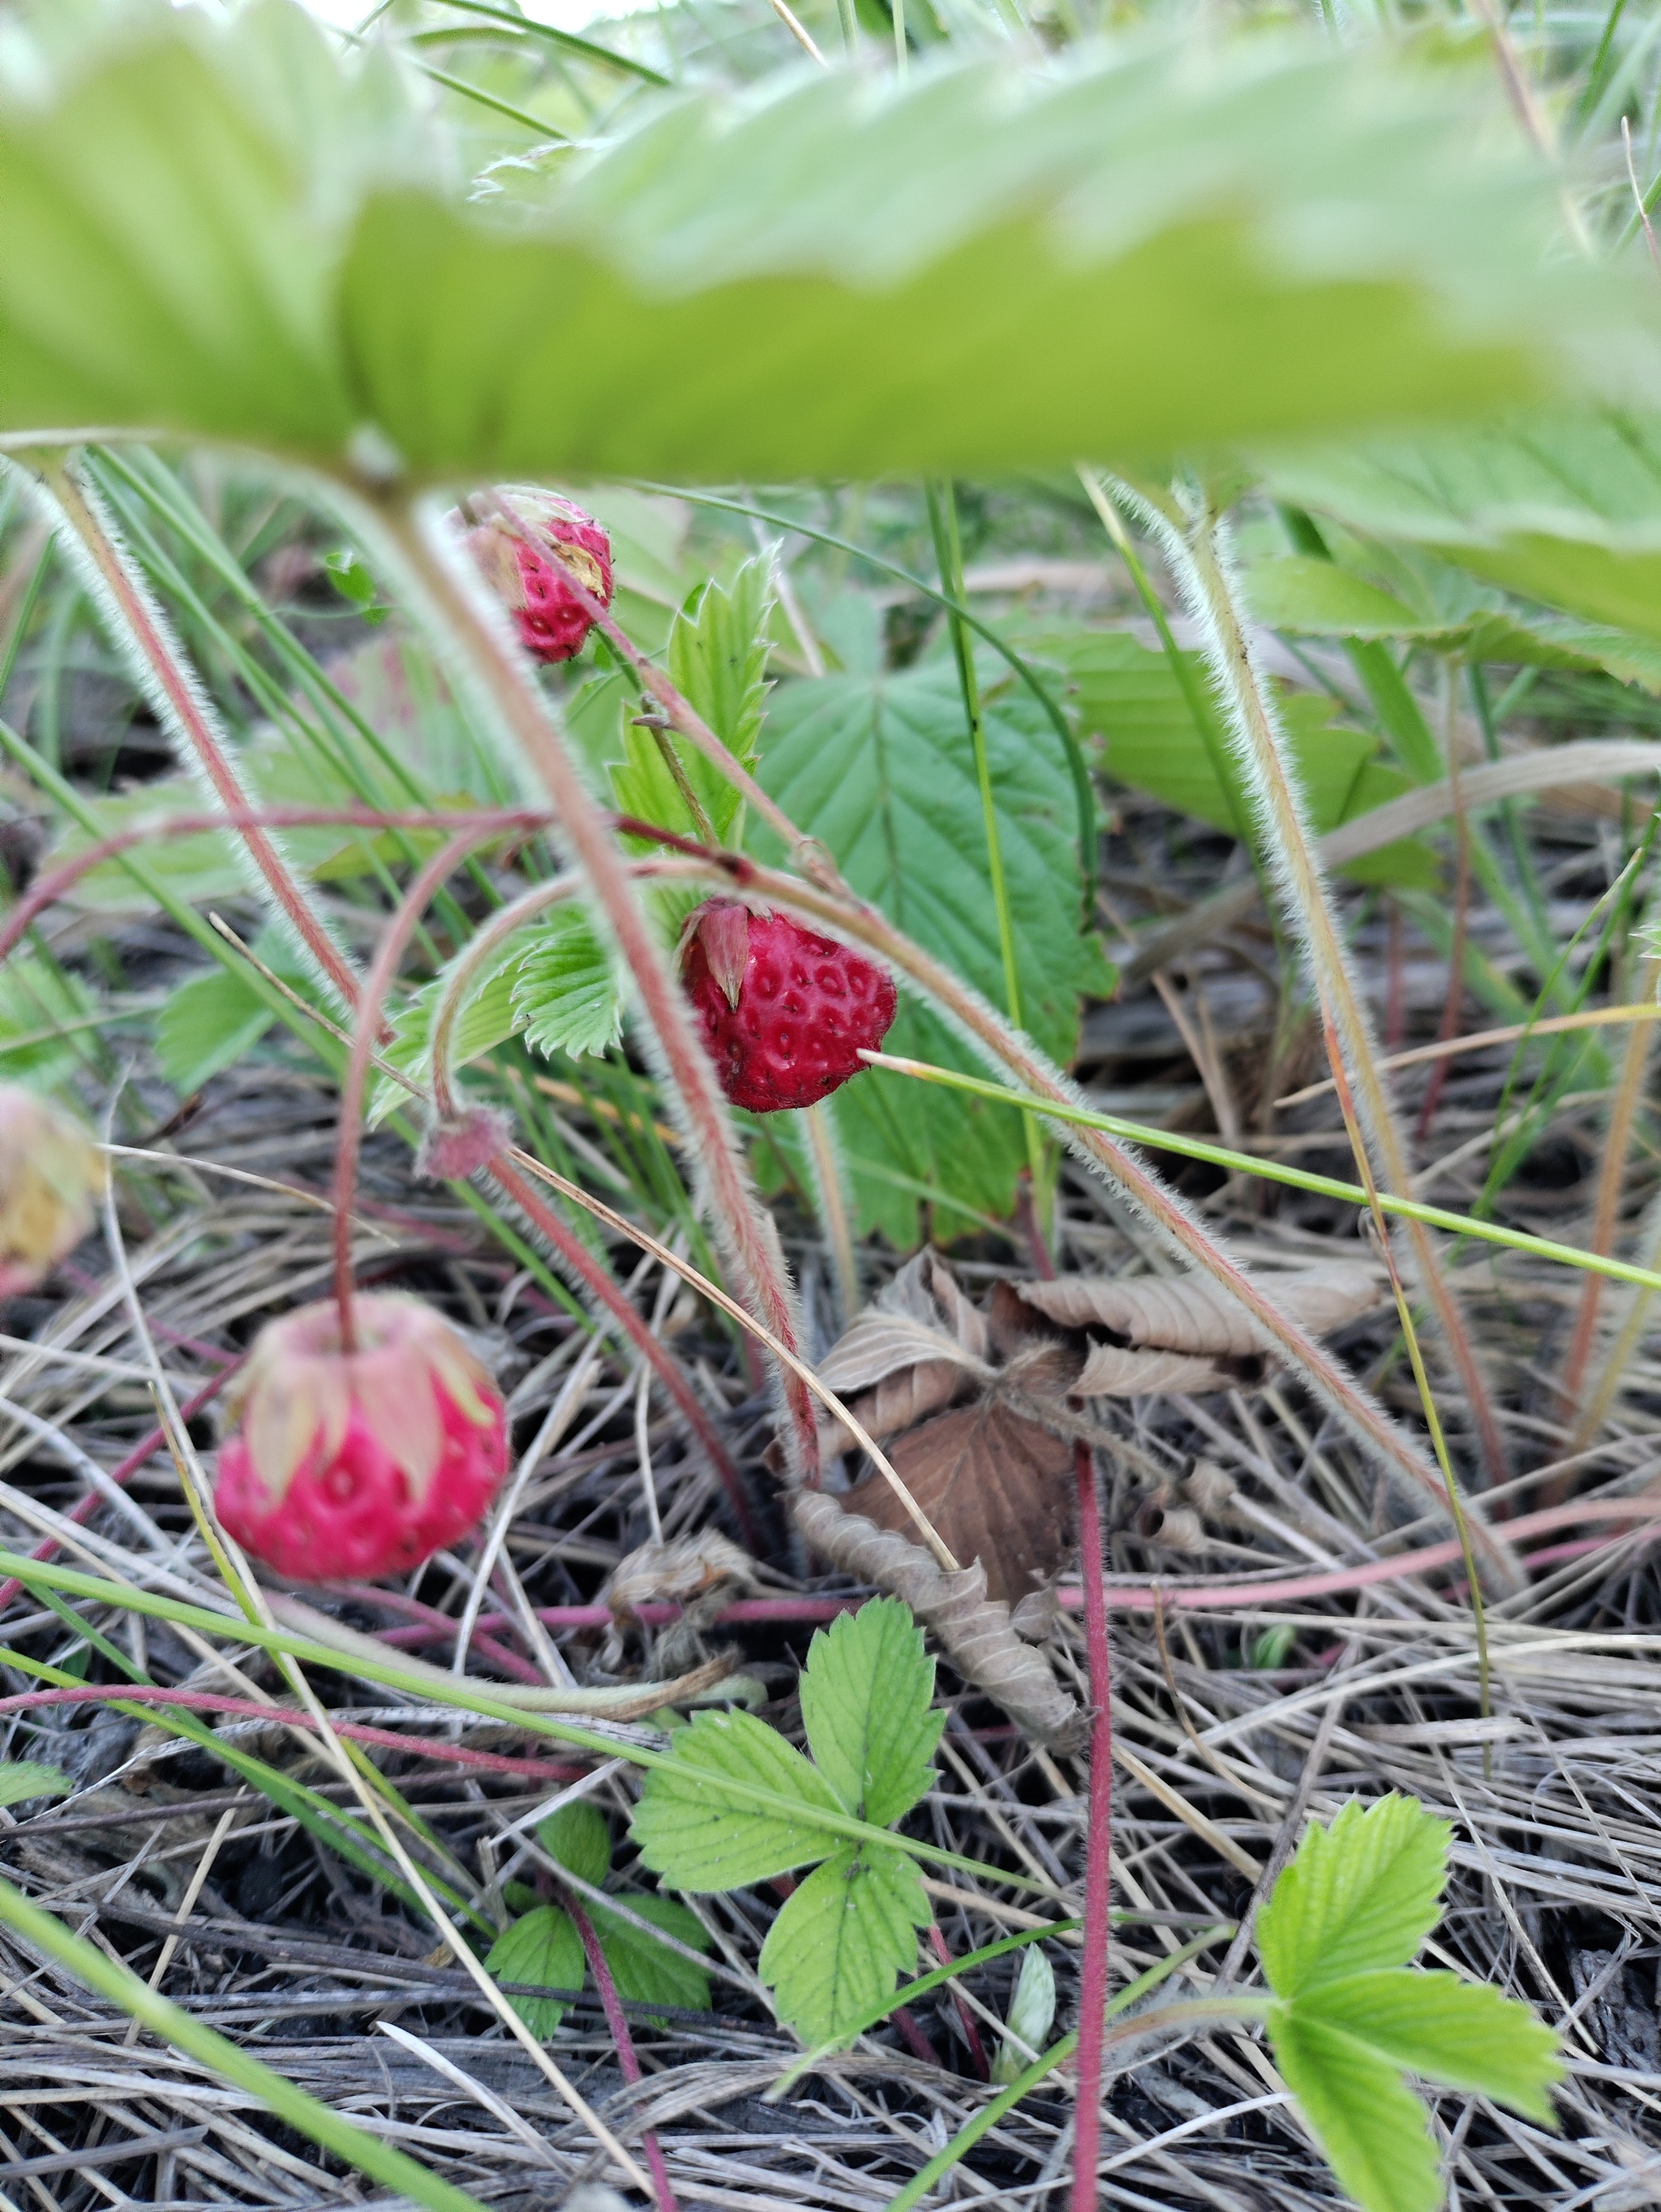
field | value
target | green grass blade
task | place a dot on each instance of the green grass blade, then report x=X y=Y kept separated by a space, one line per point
x=283 y=2098
x=1194 y=1148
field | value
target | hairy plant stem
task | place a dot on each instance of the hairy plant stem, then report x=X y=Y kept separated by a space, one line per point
x=120 y=590
x=1611 y=1178
x=366 y=1026
x=1099 y=1842
x=491 y=663
x=1426 y=1396
x=1201 y=557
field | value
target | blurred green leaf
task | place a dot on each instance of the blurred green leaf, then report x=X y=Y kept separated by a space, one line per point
x=22 y=1778
x=39 y=999
x=209 y=1022
x=230 y=230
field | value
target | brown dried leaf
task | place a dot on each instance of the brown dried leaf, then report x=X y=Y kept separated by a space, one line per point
x=995 y=1486
x=1191 y=1314
x=975 y=1630
x=1110 y=1371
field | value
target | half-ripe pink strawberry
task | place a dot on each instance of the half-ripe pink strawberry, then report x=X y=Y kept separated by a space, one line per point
x=785 y=1014
x=52 y=1173
x=529 y=568
x=346 y=1466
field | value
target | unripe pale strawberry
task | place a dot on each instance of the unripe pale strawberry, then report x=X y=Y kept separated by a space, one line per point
x=784 y=1013
x=51 y=1176
x=528 y=573
x=350 y=1466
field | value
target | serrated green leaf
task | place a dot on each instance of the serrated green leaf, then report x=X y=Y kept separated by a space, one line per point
x=883 y=772
x=842 y=1940
x=1373 y=2131
x=718 y=650
x=567 y=993
x=487 y=1019
x=20 y=1778
x=1460 y=2033
x=648 y=1972
x=1031 y=2014
x=543 y=1948
x=694 y=1836
x=1362 y=1894
x=208 y=1023
x=231 y=230
x=865 y=1694
x=578 y=1837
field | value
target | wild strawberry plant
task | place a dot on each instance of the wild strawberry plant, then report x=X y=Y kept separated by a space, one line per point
x=228 y=236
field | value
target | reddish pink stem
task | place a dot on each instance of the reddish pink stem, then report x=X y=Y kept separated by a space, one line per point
x=47 y=889
x=366 y=1027
x=966 y=2020
x=205 y=1701
x=617 y=2020
x=1098 y=1873
x=84 y=1508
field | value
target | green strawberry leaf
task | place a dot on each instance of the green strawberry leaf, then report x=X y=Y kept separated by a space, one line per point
x=20 y=1778
x=842 y=1940
x=865 y=1694
x=1363 y=1894
x=648 y=1972
x=208 y=1023
x=566 y=992
x=545 y=1950
x=1372 y=2130
x=576 y=1836
x=696 y=1836
x=882 y=770
x=1460 y=2033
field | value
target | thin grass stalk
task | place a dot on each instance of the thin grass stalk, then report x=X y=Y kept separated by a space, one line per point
x=1352 y=1194
x=1421 y=1380
x=1202 y=561
x=116 y=587
x=948 y=556
x=489 y=660
x=1611 y=1179
x=107 y=1977
x=833 y=1206
x=1098 y=1842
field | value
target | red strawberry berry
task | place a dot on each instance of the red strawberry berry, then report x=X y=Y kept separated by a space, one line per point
x=784 y=1013
x=350 y=1465
x=528 y=573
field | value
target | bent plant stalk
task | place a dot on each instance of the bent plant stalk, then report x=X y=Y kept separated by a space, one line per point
x=491 y=664
x=1202 y=559
x=116 y=586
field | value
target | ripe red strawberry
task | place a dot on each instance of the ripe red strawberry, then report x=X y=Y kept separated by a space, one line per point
x=50 y=1175
x=350 y=1465
x=784 y=1013
x=531 y=582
